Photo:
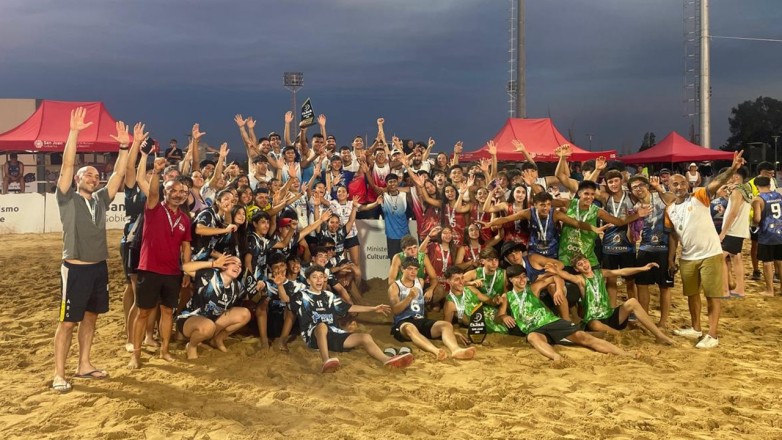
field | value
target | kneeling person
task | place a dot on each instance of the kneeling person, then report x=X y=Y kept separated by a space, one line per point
x=210 y=313
x=410 y=323
x=528 y=316
x=318 y=311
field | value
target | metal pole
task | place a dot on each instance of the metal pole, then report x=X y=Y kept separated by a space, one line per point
x=776 y=163
x=521 y=65
x=705 y=80
x=295 y=129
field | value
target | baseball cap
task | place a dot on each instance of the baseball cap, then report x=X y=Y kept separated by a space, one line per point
x=510 y=247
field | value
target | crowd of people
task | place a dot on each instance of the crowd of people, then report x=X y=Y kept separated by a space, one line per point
x=211 y=248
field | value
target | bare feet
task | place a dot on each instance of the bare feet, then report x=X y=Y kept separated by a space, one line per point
x=129 y=347
x=265 y=345
x=192 y=351
x=166 y=356
x=464 y=353
x=665 y=340
x=442 y=355
x=220 y=345
x=149 y=341
x=284 y=347
x=135 y=363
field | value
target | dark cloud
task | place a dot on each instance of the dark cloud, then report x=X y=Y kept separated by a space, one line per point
x=611 y=68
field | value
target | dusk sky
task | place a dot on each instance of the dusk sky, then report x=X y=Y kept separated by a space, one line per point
x=612 y=68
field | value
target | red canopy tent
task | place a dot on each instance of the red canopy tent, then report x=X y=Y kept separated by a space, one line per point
x=539 y=137
x=674 y=148
x=47 y=129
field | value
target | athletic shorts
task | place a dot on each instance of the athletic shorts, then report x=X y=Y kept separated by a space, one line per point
x=705 y=273
x=657 y=275
x=769 y=252
x=572 y=294
x=130 y=258
x=557 y=330
x=619 y=261
x=352 y=242
x=85 y=288
x=732 y=245
x=613 y=320
x=334 y=340
x=423 y=325
x=753 y=236
x=152 y=288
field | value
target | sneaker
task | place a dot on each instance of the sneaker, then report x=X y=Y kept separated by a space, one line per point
x=708 y=342
x=688 y=332
x=755 y=275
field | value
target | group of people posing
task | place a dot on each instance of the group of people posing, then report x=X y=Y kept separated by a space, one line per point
x=211 y=249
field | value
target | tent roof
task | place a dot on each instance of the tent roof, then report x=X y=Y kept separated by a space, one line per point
x=674 y=148
x=539 y=136
x=47 y=129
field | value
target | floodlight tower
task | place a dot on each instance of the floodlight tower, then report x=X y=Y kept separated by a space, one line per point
x=517 y=61
x=293 y=81
x=697 y=76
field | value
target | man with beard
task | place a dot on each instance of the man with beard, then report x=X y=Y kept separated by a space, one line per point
x=85 y=274
x=165 y=243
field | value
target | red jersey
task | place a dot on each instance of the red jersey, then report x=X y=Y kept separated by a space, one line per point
x=161 y=241
x=516 y=231
x=441 y=258
x=457 y=221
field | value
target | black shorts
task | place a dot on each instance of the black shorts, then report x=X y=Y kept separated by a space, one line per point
x=769 y=252
x=130 y=258
x=753 y=236
x=352 y=242
x=152 y=288
x=423 y=325
x=613 y=321
x=572 y=293
x=334 y=340
x=732 y=245
x=657 y=275
x=557 y=330
x=85 y=288
x=619 y=261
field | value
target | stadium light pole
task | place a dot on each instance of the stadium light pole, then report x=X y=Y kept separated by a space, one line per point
x=293 y=81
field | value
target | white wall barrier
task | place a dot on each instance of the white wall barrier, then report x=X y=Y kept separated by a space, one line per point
x=115 y=215
x=21 y=213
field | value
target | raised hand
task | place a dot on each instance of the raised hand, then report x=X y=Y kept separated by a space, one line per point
x=738 y=160
x=279 y=277
x=518 y=145
x=288 y=117
x=240 y=121
x=325 y=215
x=122 y=137
x=220 y=262
x=250 y=122
x=321 y=119
x=138 y=132
x=224 y=150
x=356 y=201
x=160 y=164
x=436 y=230
x=654 y=182
x=380 y=199
x=458 y=147
x=600 y=163
x=484 y=165
x=196 y=132
x=430 y=143
x=380 y=121
x=528 y=177
x=492 y=148
x=77 y=119
x=471 y=181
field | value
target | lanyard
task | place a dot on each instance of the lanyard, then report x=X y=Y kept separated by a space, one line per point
x=459 y=304
x=92 y=206
x=681 y=214
x=520 y=301
x=542 y=230
x=619 y=206
x=445 y=257
x=472 y=252
x=451 y=214
x=173 y=224
x=490 y=287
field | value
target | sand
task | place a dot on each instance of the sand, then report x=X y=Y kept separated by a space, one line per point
x=509 y=391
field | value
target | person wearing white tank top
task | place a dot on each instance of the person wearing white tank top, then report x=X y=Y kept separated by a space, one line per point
x=735 y=228
x=410 y=323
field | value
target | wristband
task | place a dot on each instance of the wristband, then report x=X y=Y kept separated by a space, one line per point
x=124 y=147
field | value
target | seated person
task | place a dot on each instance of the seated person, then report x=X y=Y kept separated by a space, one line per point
x=598 y=313
x=462 y=301
x=318 y=311
x=410 y=323
x=271 y=311
x=525 y=315
x=211 y=314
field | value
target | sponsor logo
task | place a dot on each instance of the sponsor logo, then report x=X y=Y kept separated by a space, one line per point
x=38 y=143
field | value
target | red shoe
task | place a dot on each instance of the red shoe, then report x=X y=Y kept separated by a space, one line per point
x=400 y=361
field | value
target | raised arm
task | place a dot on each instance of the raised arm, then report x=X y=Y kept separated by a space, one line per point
x=287 y=129
x=457 y=152
x=721 y=179
x=191 y=267
x=151 y=188
x=562 y=173
x=381 y=135
x=219 y=166
x=123 y=138
x=130 y=166
x=519 y=147
x=666 y=197
x=628 y=271
x=77 y=124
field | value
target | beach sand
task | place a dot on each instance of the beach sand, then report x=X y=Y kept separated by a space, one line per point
x=509 y=391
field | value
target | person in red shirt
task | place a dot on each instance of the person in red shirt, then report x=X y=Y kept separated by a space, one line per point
x=165 y=244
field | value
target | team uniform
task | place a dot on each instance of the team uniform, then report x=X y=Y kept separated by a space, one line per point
x=205 y=244
x=544 y=237
x=343 y=211
x=518 y=230
x=532 y=316
x=415 y=313
x=597 y=304
x=313 y=308
x=212 y=297
x=573 y=240
x=618 y=250
x=134 y=208
x=653 y=247
x=770 y=230
x=395 y=217
x=468 y=303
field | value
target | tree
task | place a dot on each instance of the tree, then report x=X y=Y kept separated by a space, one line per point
x=649 y=141
x=754 y=121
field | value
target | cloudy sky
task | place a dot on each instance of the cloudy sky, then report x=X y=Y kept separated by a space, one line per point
x=610 y=68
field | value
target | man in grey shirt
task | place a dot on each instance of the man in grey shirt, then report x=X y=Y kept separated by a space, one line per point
x=85 y=276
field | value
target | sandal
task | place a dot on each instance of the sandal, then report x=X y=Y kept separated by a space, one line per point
x=391 y=352
x=62 y=388
x=330 y=366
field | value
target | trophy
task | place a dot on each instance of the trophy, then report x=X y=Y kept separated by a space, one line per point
x=307 y=114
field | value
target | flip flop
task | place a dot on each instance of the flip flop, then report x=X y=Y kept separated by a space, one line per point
x=94 y=374
x=736 y=295
x=404 y=350
x=330 y=366
x=400 y=361
x=62 y=388
x=391 y=352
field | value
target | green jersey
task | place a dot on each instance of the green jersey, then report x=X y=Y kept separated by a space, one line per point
x=421 y=268
x=468 y=302
x=573 y=240
x=493 y=284
x=528 y=311
x=597 y=302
